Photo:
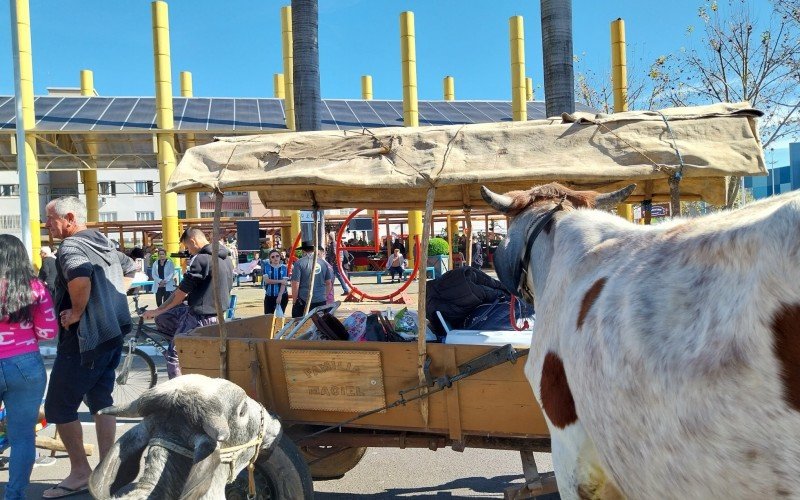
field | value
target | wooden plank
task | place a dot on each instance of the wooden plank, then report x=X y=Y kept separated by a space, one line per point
x=453 y=407
x=333 y=380
x=47 y=443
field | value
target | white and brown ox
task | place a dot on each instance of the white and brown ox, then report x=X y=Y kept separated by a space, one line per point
x=666 y=358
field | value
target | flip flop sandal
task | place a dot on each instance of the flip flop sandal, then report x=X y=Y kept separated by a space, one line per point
x=63 y=491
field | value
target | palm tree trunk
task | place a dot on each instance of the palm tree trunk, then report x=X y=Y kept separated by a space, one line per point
x=307 y=100
x=559 y=91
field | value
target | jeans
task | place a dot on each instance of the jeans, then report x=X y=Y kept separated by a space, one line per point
x=179 y=319
x=338 y=276
x=22 y=381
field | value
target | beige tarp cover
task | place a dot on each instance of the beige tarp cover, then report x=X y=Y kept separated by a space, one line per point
x=393 y=167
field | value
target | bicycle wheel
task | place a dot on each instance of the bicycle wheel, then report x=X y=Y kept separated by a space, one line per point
x=135 y=374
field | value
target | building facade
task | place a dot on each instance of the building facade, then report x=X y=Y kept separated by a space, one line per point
x=780 y=179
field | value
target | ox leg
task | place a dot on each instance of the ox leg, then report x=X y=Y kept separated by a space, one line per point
x=535 y=484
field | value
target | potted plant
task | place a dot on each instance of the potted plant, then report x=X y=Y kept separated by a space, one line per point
x=438 y=248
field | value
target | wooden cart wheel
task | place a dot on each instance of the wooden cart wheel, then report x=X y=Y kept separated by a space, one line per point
x=331 y=462
x=283 y=475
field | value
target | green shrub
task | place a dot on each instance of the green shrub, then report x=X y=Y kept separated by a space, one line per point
x=438 y=246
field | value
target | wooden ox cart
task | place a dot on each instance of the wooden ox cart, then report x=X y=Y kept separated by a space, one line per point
x=311 y=385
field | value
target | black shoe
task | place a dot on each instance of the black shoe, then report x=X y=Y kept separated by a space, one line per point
x=345 y=293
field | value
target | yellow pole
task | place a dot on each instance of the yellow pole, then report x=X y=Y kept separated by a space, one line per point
x=89 y=177
x=278 y=85
x=192 y=199
x=408 y=53
x=529 y=89
x=27 y=117
x=518 y=89
x=619 y=76
x=164 y=121
x=449 y=85
x=619 y=69
x=366 y=87
x=288 y=65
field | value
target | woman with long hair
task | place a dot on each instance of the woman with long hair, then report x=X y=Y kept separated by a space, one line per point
x=27 y=315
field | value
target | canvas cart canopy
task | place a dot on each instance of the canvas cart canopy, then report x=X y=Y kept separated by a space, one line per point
x=393 y=167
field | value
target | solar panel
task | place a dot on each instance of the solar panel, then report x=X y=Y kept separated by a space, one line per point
x=493 y=112
x=246 y=112
x=390 y=112
x=194 y=115
x=342 y=114
x=326 y=118
x=86 y=117
x=366 y=115
x=7 y=112
x=271 y=113
x=61 y=113
x=143 y=114
x=430 y=114
x=221 y=115
x=116 y=114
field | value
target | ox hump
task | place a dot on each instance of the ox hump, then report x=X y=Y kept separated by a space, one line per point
x=556 y=395
x=786 y=331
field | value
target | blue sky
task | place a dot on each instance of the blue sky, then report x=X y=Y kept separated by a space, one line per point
x=233 y=47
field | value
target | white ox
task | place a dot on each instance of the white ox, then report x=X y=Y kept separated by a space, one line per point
x=666 y=358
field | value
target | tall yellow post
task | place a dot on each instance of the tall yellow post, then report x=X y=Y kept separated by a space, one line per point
x=408 y=53
x=164 y=121
x=619 y=78
x=529 y=89
x=25 y=113
x=449 y=88
x=192 y=199
x=89 y=177
x=619 y=68
x=518 y=89
x=278 y=86
x=366 y=87
x=288 y=65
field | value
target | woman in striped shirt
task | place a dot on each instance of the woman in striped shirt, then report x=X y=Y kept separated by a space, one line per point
x=274 y=279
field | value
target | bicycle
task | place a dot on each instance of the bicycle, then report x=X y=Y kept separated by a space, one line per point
x=137 y=371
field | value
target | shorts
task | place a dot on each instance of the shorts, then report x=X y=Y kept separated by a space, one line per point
x=71 y=383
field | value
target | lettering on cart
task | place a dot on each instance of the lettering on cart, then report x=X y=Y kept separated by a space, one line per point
x=331 y=366
x=335 y=390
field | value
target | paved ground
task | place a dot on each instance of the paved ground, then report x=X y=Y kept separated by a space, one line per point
x=383 y=473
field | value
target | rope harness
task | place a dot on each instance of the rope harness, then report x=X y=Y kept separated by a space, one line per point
x=228 y=455
x=533 y=232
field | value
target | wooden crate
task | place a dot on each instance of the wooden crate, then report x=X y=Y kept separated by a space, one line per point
x=496 y=402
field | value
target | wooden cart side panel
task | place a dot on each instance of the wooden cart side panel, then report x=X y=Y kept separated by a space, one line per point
x=497 y=402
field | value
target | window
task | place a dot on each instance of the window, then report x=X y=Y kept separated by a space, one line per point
x=107 y=188
x=10 y=222
x=108 y=216
x=145 y=215
x=144 y=188
x=9 y=189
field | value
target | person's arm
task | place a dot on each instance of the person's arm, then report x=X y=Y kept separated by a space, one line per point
x=328 y=287
x=295 y=290
x=128 y=269
x=45 y=324
x=79 y=290
x=175 y=299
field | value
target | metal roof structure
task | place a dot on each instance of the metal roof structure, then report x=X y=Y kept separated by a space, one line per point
x=120 y=129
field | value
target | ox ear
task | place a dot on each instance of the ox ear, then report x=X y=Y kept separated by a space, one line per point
x=206 y=461
x=610 y=200
x=121 y=465
x=499 y=202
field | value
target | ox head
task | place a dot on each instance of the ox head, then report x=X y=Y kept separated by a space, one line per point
x=202 y=416
x=526 y=208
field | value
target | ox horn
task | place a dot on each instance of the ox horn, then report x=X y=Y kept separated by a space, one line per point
x=609 y=200
x=129 y=411
x=499 y=202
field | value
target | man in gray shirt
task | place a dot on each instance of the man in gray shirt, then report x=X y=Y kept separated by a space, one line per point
x=301 y=280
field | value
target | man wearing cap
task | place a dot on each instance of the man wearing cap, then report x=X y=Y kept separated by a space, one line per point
x=301 y=281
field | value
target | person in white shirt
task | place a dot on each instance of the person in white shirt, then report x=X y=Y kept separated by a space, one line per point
x=163 y=272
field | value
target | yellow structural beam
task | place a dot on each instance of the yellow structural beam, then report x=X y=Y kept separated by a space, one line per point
x=366 y=87
x=408 y=54
x=619 y=68
x=89 y=177
x=529 y=89
x=518 y=88
x=619 y=79
x=28 y=119
x=165 y=121
x=449 y=88
x=278 y=86
x=192 y=199
x=288 y=65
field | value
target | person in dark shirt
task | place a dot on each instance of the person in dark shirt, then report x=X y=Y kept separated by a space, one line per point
x=477 y=253
x=48 y=272
x=174 y=317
